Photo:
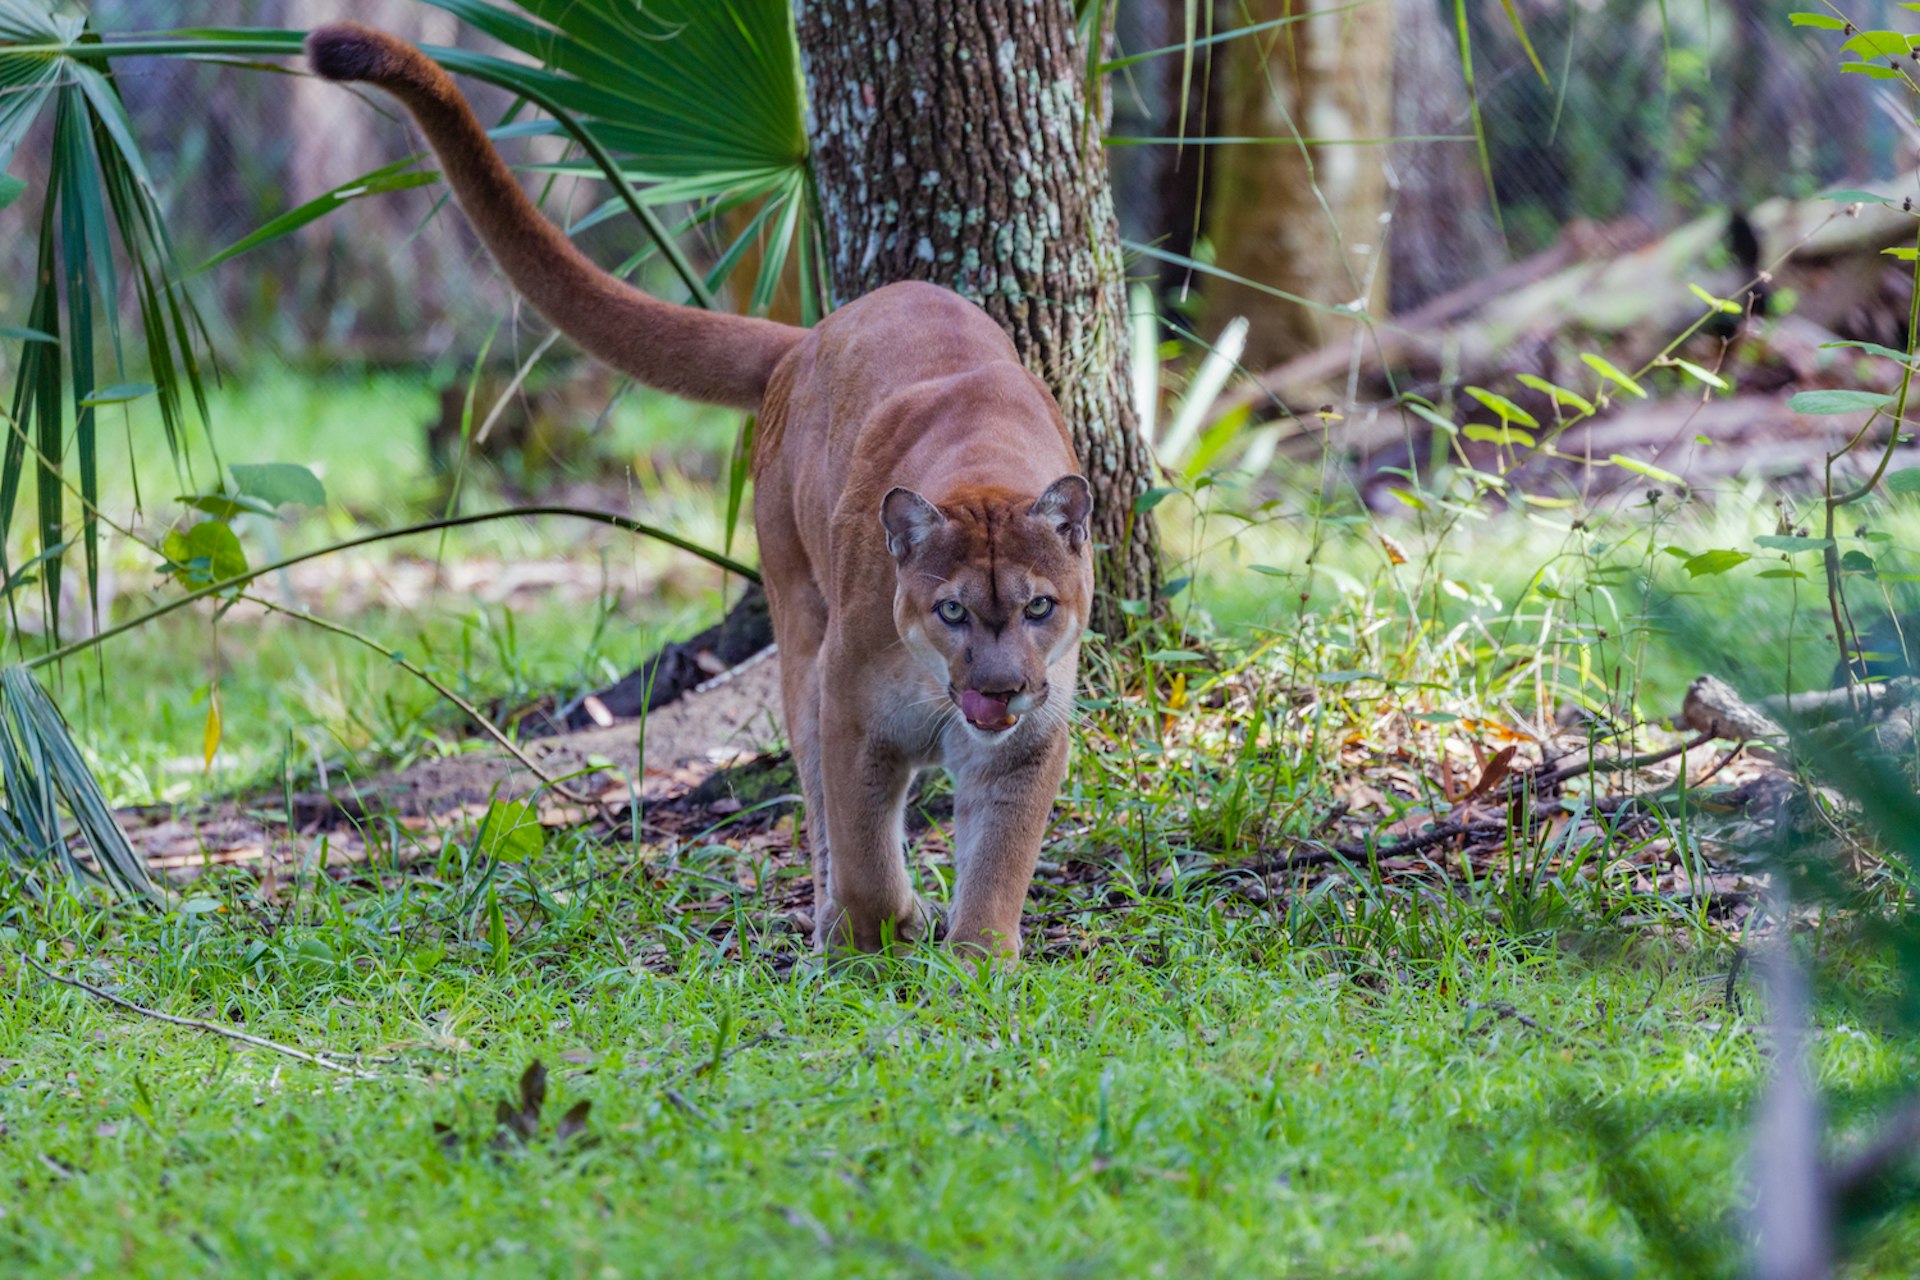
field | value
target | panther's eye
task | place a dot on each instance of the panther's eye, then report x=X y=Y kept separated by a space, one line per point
x=951 y=612
x=1039 y=607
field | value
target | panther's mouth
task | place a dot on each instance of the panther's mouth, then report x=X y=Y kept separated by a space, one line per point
x=986 y=712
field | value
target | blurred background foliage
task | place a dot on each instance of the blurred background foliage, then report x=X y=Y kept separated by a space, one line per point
x=1273 y=161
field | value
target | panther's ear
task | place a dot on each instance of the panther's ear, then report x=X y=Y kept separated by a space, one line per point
x=1066 y=505
x=909 y=519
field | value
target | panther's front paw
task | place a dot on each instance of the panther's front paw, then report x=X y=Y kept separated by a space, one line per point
x=843 y=929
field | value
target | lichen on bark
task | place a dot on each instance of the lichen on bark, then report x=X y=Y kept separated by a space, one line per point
x=952 y=143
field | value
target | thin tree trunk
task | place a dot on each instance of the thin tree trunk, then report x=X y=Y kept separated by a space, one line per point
x=953 y=143
x=1443 y=235
x=1300 y=209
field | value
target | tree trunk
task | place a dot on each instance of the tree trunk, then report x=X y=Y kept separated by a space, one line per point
x=952 y=143
x=1443 y=235
x=1300 y=209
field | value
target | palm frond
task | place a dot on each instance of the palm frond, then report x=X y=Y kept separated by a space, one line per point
x=50 y=796
x=700 y=100
x=99 y=208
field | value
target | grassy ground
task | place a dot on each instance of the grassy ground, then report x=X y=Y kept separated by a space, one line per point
x=1357 y=1075
x=1197 y=1094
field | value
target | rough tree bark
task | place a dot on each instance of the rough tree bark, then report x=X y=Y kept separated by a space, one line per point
x=1301 y=217
x=952 y=143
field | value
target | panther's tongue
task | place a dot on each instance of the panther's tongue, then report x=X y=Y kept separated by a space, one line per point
x=988 y=713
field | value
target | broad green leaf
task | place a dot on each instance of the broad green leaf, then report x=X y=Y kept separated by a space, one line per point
x=1879 y=44
x=1823 y=21
x=1856 y=562
x=280 y=484
x=1840 y=400
x=1708 y=563
x=1646 y=469
x=207 y=553
x=511 y=831
x=1507 y=409
x=1904 y=480
x=1606 y=369
x=1872 y=70
x=1849 y=195
x=1222 y=358
x=1571 y=399
x=1791 y=542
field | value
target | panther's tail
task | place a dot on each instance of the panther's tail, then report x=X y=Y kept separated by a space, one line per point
x=703 y=355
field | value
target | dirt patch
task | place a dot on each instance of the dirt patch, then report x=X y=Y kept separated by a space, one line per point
x=730 y=720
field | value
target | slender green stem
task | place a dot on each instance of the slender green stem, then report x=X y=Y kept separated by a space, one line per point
x=472 y=712
x=578 y=513
x=1830 y=554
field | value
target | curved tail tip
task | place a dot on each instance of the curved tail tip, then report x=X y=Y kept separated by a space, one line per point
x=349 y=51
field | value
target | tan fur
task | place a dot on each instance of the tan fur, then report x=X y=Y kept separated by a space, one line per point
x=906 y=463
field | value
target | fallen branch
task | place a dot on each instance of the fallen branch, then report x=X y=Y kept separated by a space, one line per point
x=1538 y=781
x=1426 y=839
x=1822 y=705
x=212 y=1028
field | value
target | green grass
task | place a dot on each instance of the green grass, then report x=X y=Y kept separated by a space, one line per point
x=1200 y=1093
x=1406 y=1075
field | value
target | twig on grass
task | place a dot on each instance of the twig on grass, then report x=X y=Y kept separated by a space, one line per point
x=1440 y=834
x=1553 y=777
x=212 y=1028
x=472 y=712
x=1501 y=1009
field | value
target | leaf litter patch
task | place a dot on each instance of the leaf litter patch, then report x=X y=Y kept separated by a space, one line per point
x=1429 y=806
